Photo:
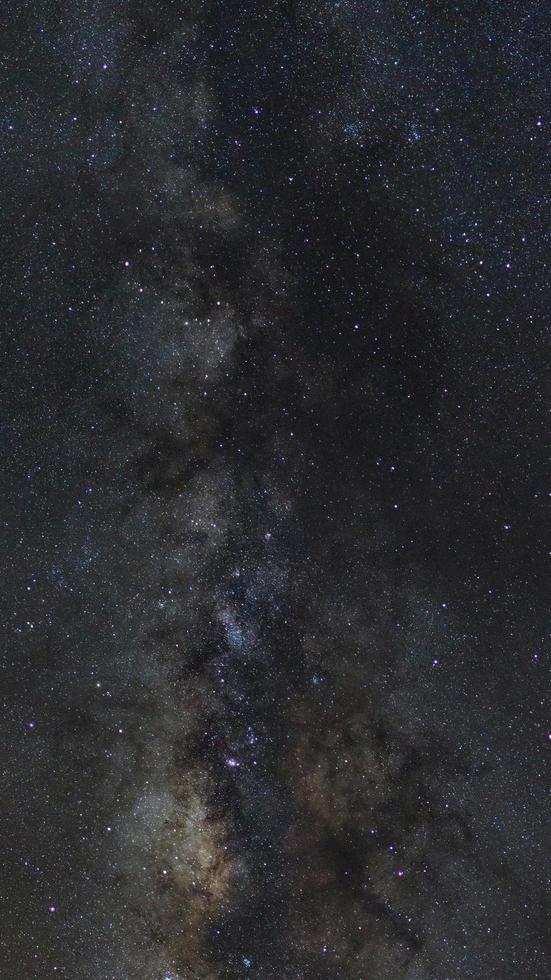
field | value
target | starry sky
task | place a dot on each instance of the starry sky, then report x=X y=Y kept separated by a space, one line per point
x=275 y=490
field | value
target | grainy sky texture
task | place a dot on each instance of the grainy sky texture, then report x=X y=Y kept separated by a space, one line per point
x=275 y=490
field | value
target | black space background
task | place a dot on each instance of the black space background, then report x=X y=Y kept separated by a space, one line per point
x=275 y=491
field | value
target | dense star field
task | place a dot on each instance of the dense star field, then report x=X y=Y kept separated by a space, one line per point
x=275 y=502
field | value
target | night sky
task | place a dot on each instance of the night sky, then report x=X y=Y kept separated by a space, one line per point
x=275 y=490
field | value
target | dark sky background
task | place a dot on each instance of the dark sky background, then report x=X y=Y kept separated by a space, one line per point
x=275 y=503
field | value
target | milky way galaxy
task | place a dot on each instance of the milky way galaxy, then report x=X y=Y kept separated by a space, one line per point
x=275 y=686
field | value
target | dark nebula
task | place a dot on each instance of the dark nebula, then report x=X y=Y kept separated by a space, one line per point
x=275 y=508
